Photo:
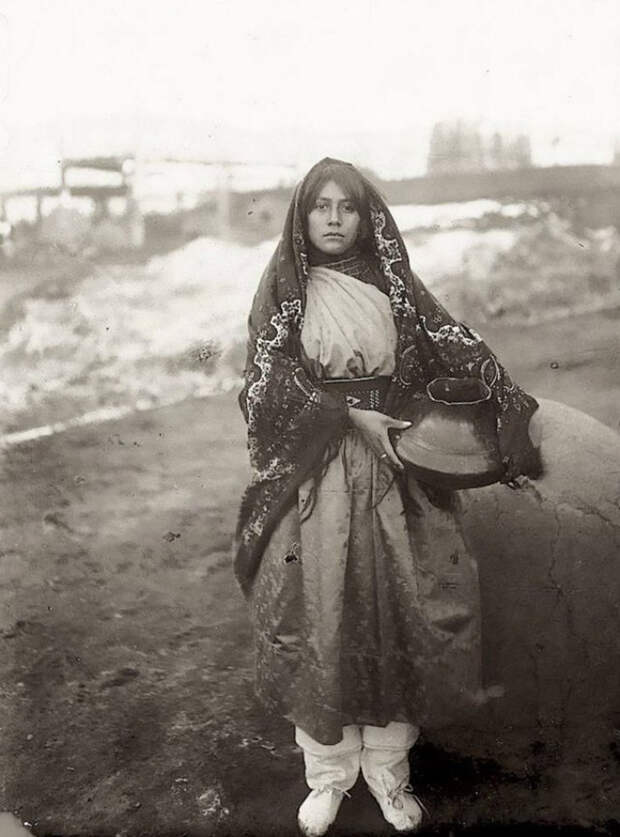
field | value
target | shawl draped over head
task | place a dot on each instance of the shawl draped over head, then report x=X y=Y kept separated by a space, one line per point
x=295 y=427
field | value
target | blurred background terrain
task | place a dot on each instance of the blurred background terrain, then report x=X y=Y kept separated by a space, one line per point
x=111 y=304
x=147 y=166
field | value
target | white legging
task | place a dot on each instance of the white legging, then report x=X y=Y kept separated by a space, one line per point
x=338 y=764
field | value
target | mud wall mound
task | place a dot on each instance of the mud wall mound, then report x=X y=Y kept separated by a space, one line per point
x=549 y=557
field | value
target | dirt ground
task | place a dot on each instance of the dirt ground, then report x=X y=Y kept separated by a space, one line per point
x=126 y=674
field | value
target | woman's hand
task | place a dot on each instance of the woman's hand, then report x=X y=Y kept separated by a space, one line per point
x=374 y=427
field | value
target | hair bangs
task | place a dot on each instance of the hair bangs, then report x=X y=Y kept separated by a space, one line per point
x=346 y=177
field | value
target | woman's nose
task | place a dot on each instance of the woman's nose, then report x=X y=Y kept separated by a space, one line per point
x=334 y=215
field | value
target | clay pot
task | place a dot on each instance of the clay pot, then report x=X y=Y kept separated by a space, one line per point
x=452 y=442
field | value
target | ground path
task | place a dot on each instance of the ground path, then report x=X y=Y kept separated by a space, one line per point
x=126 y=679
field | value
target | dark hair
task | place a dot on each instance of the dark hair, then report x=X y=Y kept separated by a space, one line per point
x=350 y=181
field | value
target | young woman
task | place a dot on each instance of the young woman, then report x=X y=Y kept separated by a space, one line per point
x=363 y=595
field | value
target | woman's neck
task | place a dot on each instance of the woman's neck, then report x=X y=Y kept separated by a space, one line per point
x=355 y=263
x=318 y=259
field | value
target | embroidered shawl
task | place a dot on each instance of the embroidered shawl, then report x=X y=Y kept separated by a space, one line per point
x=295 y=427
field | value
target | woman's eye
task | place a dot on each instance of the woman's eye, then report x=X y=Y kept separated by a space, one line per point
x=349 y=207
x=321 y=206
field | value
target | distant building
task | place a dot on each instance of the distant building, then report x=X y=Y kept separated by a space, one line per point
x=460 y=147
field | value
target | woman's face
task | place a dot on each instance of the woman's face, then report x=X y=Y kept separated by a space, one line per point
x=334 y=221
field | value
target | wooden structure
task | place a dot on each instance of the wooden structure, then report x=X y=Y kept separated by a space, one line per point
x=123 y=165
x=128 y=171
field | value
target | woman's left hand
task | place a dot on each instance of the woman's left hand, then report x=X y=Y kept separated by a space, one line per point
x=375 y=428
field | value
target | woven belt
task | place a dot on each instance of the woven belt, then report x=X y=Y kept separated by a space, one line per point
x=362 y=393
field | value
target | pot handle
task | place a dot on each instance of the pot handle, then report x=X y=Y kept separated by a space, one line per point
x=495 y=371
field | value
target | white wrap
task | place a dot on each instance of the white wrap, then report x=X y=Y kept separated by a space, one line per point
x=348 y=329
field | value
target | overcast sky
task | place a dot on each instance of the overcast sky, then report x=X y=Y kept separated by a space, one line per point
x=286 y=81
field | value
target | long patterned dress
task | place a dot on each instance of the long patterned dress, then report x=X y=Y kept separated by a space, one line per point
x=367 y=611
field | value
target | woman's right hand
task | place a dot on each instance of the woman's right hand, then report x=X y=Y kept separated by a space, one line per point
x=374 y=426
